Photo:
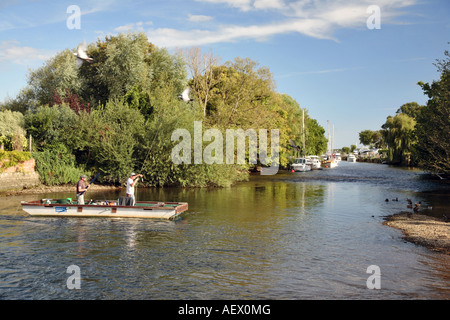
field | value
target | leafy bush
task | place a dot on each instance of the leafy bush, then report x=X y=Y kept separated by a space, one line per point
x=12 y=132
x=12 y=158
x=52 y=126
x=57 y=167
x=110 y=136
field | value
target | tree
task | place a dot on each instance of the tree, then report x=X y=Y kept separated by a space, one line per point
x=374 y=139
x=52 y=127
x=117 y=114
x=316 y=143
x=433 y=122
x=71 y=99
x=125 y=64
x=411 y=109
x=58 y=74
x=122 y=63
x=56 y=133
x=12 y=131
x=240 y=95
x=111 y=135
x=201 y=67
x=365 y=137
x=399 y=137
x=345 y=150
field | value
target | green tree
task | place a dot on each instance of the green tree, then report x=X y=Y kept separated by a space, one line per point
x=433 y=122
x=12 y=131
x=125 y=108
x=110 y=136
x=56 y=166
x=399 y=137
x=52 y=127
x=240 y=95
x=128 y=65
x=55 y=132
x=125 y=64
x=22 y=102
x=365 y=137
x=316 y=143
x=374 y=139
x=411 y=109
x=58 y=74
x=201 y=67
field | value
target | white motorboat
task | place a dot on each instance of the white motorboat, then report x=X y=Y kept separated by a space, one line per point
x=300 y=165
x=329 y=164
x=314 y=162
x=351 y=158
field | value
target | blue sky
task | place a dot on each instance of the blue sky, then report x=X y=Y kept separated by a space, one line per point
x=320 y=52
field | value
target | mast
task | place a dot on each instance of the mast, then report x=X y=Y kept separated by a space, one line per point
x=332 y=143
x=328 y=142
x=303 y=127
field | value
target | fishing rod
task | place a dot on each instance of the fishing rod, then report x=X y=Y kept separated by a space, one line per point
x=92 y=181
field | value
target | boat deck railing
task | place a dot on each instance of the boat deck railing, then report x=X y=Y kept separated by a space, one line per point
x=69 y=201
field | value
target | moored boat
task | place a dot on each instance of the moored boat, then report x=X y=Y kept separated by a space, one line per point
x=300 y=165
x=104 y=208
x=315 y=162
x=330 y=164
x=351 y=158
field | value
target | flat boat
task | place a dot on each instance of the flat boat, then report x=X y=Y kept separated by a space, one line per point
x=104 y=208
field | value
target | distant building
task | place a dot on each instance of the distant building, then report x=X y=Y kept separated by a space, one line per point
x=366 y=152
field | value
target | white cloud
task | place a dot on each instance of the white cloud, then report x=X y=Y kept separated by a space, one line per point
x=247 y=5
x=324 y=71
x=244 y=5
x=313 y=18
x=166 y=37
x=199 y=18
x=125 y=28
x=268 y=4
x=138 y=26
x=10 y=51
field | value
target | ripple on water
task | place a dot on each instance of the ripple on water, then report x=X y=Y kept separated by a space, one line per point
x=289 y=236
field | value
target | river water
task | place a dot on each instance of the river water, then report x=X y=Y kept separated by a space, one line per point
x=308 y=235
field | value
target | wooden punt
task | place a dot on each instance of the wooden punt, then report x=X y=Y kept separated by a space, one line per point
x=104 y=208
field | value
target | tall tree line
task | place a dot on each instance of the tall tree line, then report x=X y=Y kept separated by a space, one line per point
x=419 y=135
x=116 y=114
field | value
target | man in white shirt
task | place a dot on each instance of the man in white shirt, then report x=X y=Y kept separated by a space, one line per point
x=130 y=186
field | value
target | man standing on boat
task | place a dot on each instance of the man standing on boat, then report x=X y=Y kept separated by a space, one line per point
x=81 y=189
x=130 y=186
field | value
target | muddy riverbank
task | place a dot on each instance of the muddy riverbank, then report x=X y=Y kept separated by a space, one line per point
x=431 y=232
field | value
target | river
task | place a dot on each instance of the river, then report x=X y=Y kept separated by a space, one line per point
x=290 y=236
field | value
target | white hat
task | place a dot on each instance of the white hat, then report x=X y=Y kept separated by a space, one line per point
x=132 y=174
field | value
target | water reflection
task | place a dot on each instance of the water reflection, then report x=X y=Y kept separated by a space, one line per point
x=290 y=236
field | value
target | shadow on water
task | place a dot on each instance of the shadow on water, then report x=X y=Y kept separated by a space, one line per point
x=289 y=236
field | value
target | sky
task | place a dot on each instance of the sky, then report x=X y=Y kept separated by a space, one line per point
x=349 y=63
